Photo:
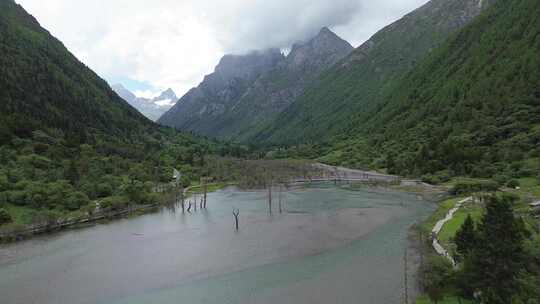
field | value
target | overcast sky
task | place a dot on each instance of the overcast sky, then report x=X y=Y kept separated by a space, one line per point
x=149 y=46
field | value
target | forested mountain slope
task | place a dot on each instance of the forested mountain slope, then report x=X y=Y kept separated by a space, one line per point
x=358 y=83
x=42 y=83
x=472 y=107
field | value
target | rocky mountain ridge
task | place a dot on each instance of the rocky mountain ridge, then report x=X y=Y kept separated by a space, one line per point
x=247 y=89
x=152 y=108
x=352 y=90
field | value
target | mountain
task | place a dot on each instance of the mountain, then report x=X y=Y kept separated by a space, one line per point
x=356 y=84
x=152 y=108
x=219 y=91
x=232 y=108
x=43 y=84
x=472 y=107
x=126 y=94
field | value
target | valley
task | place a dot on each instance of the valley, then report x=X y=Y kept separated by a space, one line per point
x=300 y=169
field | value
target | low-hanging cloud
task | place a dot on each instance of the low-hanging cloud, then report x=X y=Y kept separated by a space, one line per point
x=245 y=25
x=172 y=43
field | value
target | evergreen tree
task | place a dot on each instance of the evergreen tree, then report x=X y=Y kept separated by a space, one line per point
x=435 y=273
x=72 y=174
x=499 y=257
x=466 y=238
x=4 y=217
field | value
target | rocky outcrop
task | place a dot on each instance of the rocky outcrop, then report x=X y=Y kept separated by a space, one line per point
x=246 y=90
x=202 y=106
x=152 y=108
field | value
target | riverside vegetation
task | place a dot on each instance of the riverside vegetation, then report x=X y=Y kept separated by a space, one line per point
x=497 y=254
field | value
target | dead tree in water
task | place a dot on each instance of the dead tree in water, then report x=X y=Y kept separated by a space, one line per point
x=183 y=205
x=270 y=198
x=205 y=188
x=336 y=173
x=236 y=213
x=280 y=194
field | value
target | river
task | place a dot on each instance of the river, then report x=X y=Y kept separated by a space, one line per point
x=330 y=245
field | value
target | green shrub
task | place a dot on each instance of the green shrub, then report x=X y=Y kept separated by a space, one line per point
x=4 y=183
x=76 y=200
x=5 y=217
x=510 y=197
x=513 y=183
x=471 y=187
x=501 y=179
x=431 y=179
x=114 y=203
x=104 y=190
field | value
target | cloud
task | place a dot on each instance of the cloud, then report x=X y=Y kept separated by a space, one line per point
x=174 y=43
x=147 y=94
x=256 y=24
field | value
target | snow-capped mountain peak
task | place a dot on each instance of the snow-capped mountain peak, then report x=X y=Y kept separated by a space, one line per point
x=152 y=108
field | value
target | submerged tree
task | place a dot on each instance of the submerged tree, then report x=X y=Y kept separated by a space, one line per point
x=205 y=188
x=280 y=198
x=236 y=213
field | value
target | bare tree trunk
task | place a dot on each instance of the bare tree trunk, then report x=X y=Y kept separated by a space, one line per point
x=280 y=198
x=175 y=194
x=205 y=192
x=236 y=213
x=183 y=205
x=270 y=199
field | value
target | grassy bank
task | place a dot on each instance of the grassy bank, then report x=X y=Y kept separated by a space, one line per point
x=446 y=300
x=527 y=190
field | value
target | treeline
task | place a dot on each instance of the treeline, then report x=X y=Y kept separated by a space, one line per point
x=55 y=172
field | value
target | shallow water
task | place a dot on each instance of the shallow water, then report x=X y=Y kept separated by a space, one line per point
x=329 y=246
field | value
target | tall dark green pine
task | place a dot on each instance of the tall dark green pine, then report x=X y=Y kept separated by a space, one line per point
x=466 y=238
x=72 y=174
x=499 y=256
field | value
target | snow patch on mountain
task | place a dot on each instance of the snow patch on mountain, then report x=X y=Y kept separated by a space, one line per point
x=149 y=103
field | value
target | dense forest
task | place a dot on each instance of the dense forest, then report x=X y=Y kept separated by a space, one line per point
x=472 y=107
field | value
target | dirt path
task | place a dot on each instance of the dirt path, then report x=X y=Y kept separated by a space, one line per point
x=438 y=227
